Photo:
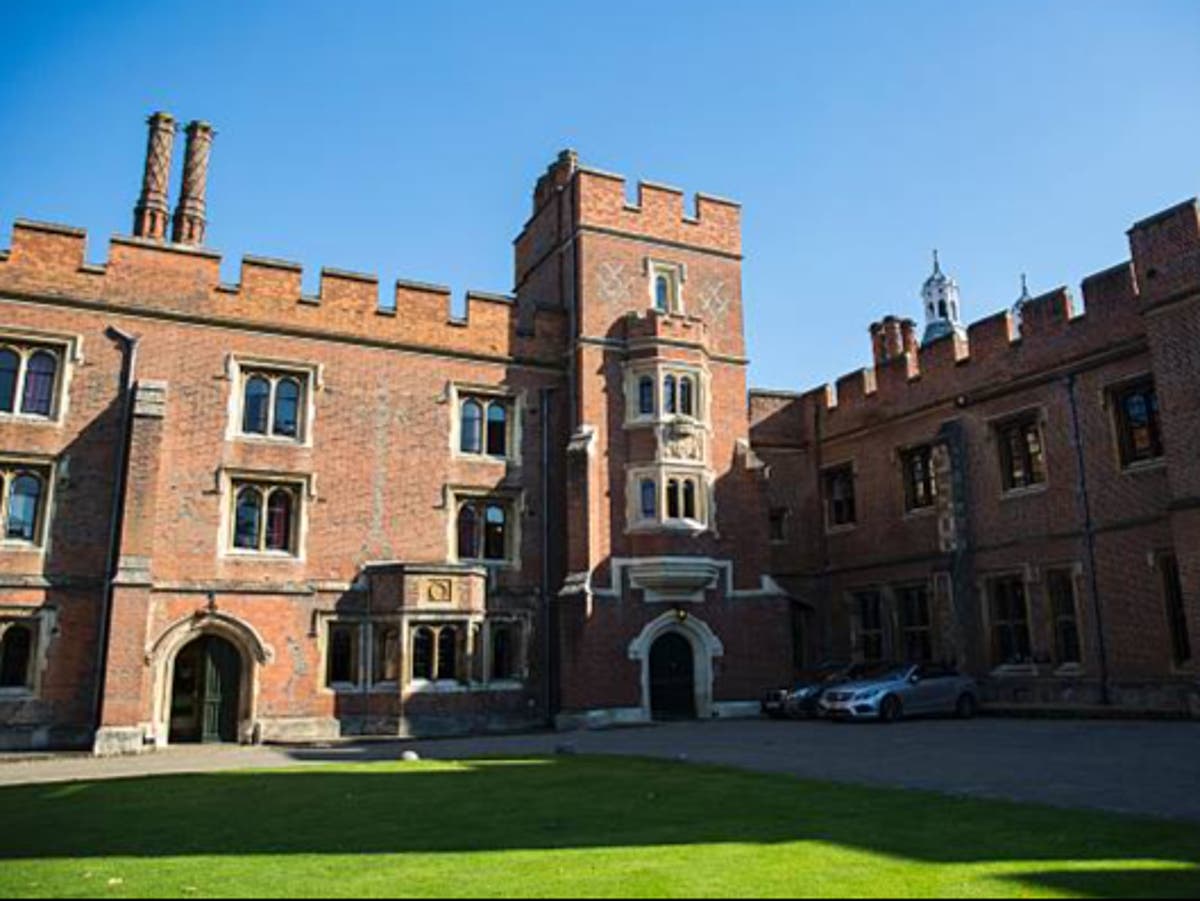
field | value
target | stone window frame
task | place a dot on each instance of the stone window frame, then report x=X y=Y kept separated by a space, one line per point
x=998 y=427
x=903 y=457
x=43 y=621
x=676 y=275
x=657 y=369
x=459 y=392
x=514 y=499
x=1114 y=395
x=240 y=368
x=1074 y=570
x=827 y=472
x=228 y=481
x=853 y=598
x=984 y=589
x=68 y=348
x=1179 y=638
x=662 y=474
x=521 y=628
x=49 y=470
x=782 y=515
x=364 y=627
x=903 y=628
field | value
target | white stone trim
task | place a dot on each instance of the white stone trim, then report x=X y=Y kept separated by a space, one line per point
x=768 y=587
x=312 y=379
x=706 y=646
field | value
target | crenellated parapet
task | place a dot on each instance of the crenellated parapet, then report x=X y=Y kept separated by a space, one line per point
x=1050 y=334
x=175 y=281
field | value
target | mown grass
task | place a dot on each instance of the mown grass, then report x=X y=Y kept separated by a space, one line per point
x=564 y=827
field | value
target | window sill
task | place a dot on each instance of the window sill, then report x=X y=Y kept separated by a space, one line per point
x=1155 y=465
x=842 y=529
x=489 y=564
x=921 y=512
x=263 y=556
x=12 y=546
x=17 y=694
x=29 y=419
x=680 y=527
x=1015 y=670
x=271 y=440
x=438 y=687
x=462 y=457
x=1028 y=491
x=1070 y=671
x=638 y=422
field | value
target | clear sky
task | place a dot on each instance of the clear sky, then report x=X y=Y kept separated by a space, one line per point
x=403 y=138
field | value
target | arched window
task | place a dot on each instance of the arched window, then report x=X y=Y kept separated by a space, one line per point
x=24 y=506
x=502 y=653
x=472 y=428
x=669 y=405
x=40 y=374
x=673 y=499
x=422 y=655
x=248 y=519
x=649 y=499
x=10 y=366
x=689 y=499
x=468 y=533
x=287 y=409
x=687 y=399
x=16 y=654
x=447 y=654
x=495 y=533
x=662 y=294
x=646 y=396
x=256 y=406
x=497 y=430
x=279 y=520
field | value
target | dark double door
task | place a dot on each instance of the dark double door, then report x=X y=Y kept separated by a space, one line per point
x=672 y=678
x=205 y=693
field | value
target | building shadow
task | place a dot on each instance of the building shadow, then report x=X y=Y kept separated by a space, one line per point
x=582 y=803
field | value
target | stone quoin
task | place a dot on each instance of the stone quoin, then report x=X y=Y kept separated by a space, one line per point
x=237 y=512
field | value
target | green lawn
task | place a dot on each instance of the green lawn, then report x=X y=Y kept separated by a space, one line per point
x=564 y=826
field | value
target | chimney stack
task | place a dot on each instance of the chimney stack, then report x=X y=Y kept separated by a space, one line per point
x=153 y=211
x=190 y=213
x=893 y=338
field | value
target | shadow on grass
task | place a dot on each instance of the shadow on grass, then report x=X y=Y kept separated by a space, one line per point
x=1131 y=883
x=573 y=803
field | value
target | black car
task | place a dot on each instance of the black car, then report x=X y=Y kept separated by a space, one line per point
x=800 y=701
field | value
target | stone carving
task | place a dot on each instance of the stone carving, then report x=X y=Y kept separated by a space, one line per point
x=439 y=591
x=713 y=298
x=613 y=282
x=682 y=442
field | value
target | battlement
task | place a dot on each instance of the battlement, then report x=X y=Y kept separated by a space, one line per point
x=712 y=224
x=1051 y=331
x=652 y=326
x=184 y=282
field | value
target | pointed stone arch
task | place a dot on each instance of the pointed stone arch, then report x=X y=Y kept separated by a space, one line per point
x=706 y=647
x=254 y=652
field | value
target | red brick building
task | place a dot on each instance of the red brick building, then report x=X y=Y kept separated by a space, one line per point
x=1018 y=496
x=237 y=512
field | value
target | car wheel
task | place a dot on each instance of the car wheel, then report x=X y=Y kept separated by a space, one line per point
x=891 y=710
x=966 y=707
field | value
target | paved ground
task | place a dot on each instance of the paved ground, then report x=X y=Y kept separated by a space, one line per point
x=1149 y=768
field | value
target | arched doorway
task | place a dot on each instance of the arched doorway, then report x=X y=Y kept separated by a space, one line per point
x=672 y=678
x=206 y=691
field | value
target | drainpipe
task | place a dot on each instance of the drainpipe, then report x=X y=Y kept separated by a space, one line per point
x=128 y=346
x=1090 y=541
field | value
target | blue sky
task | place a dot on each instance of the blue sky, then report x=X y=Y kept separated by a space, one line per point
x=404 y=138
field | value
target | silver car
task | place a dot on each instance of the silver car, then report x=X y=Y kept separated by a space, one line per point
x=906 y=690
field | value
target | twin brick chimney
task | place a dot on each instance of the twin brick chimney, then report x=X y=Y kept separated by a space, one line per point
x=893 y=338
x=152 y=213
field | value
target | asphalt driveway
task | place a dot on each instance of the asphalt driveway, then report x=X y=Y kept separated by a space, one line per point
x=1146 y=768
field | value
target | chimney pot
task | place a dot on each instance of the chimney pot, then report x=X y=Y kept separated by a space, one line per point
x=153 y=211
x=191 y=213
